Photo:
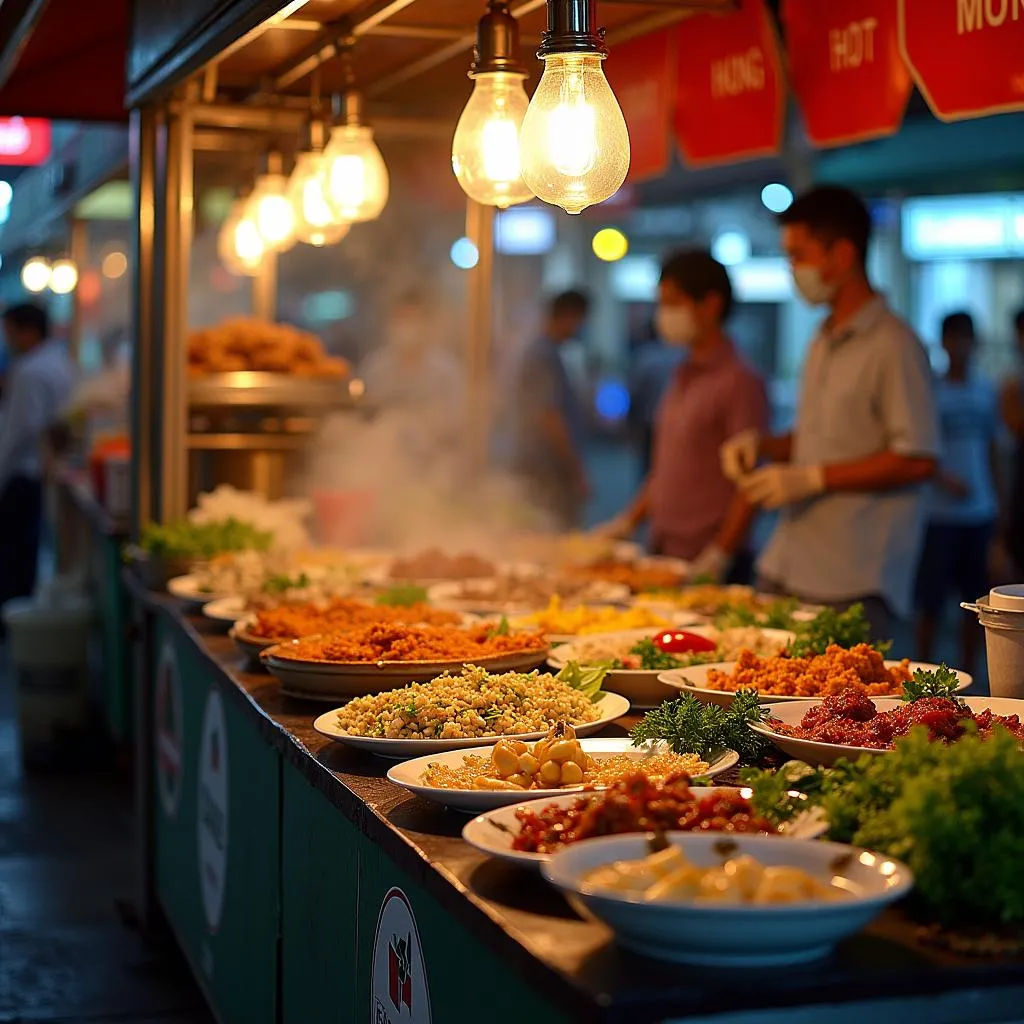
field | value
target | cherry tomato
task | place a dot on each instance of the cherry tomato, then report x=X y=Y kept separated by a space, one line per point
x=679 y=641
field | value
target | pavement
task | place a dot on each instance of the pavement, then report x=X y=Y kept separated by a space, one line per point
x=69 y=950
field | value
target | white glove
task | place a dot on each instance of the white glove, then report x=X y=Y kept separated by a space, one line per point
x=711 y=564
x=739 y=454
x=619 y=528
x=782 y=484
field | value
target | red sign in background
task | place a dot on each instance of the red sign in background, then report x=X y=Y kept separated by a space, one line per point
x=640 y=73
x=730 y=93
x=24 y=141
x=849 y=76
x=967 y=56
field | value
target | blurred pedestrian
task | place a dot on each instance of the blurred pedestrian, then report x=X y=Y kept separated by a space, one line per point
x=1011 y=401
x=714 y=394
x=551 y=419
x=39 y=385
x=849 y=477
x=963 y=501
x=653 y=365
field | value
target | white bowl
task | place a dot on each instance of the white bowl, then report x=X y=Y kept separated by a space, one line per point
x=690 y=680
x=409 y=774
x=733 y=935
x=817 y=753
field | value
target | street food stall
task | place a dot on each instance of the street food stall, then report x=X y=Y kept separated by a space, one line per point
x=307 y=865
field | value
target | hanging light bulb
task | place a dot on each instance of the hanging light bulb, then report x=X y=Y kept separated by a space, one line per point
x=270 y=209
x=356 y=181
x=35 y=274
x=574 y=144
x=63 y=277
x=315 y=221
x=485 y=150
x=239 y=244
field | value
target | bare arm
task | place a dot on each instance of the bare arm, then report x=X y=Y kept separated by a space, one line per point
x=736 y=525
x=883 y=471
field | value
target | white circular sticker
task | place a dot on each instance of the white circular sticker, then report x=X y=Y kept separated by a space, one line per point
x=398 y=990
x=212 y=815
x=167 y=722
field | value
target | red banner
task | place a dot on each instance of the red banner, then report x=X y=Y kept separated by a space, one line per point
x=730 y=95
x=965 y=55
x=640 y=73
x=24 y=141
x=846 y=68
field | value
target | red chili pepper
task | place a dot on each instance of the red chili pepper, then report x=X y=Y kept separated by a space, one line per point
x=682 y=642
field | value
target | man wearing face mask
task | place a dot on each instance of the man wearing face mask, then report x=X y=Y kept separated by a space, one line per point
x=848 y=478
x=715 y=394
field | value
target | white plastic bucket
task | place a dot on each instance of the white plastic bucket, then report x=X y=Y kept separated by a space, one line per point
x=49 y=652
x=1004 y=648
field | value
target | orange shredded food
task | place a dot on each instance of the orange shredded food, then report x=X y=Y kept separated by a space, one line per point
x=396 y=642
x=292 y=621
x=861 y=668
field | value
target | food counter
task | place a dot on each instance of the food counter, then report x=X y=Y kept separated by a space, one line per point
x=91 y=541
x=302 y=885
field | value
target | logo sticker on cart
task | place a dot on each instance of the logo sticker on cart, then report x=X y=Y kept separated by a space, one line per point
x=168 y=726
x=399 y=991
x=212 y=818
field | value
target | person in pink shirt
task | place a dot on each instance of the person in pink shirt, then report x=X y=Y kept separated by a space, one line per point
x=686 y=499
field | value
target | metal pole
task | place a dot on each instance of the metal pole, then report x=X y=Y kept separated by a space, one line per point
x=480 y=231
x=142 y=157
x=77 y=250
x=177 y=252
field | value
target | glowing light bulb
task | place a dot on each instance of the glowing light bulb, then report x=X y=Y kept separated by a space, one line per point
x=239 y=244
x=272 y=213
x=356 y=181
x=574 y=145
x=485 y=150
x=315 y=221
x=63 y=277
x=35 y=274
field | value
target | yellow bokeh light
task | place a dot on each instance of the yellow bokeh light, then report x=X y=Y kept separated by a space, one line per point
x=114 y=265
x=610 y=244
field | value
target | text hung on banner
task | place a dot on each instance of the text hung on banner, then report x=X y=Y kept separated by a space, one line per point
x=730 y=90
x=965 y=55
x=845 y=65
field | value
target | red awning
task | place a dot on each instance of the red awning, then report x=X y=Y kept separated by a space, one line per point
x=71 y=66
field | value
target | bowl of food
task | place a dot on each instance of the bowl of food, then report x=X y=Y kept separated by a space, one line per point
x=781 y=678
x=736 y=901
x=637 y=658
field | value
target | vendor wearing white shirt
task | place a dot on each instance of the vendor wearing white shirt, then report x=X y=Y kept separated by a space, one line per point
x=849 y=478
x=963 y=503
x=38 y=387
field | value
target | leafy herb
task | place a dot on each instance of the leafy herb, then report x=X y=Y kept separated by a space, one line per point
x=777 y=615
x=402 y=597
x=689 y=725
x=939 y=682
x=652 y=657
x=587 y=680
x=847 y=629
x=184 y=539
x=501 y=629
x=953 y=812
x=282 y=584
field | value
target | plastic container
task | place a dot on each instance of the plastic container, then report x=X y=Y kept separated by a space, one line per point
x=49 y=652
x=1004 y=640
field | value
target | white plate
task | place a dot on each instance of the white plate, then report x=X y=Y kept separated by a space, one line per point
x=473 y=801
x=732 y=935
x=689 y=680
x=187 y=588
x=493 y=831
x=643 y=687
x=611 y=706
x=226 y=609
x=817 y=753
x=317 y=680
x=449 y=595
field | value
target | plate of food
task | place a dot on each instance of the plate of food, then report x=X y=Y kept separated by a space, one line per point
x=642 y=575
x=382 y=656
x=781 y=678
x=849 y=724
x=264 y=628
x=470 y=708
x=637 y=658
x=513 y=770
x=728 y=901
x=523 y=594
x=227 y=610
x=194 y=589
x=527 y=834
x=562 y=624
